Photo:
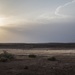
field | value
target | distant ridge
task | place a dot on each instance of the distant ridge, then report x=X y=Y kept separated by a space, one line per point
x=37 y=45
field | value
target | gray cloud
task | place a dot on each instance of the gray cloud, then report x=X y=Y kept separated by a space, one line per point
x=62 y=31
x=39 y=27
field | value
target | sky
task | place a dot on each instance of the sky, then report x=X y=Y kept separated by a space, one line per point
x=37 y=21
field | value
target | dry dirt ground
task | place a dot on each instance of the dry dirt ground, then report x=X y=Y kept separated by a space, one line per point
x=23 y=65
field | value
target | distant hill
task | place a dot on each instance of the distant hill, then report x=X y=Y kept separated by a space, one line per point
x=37 y=45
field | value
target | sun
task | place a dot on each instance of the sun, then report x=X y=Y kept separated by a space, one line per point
x=2 y=21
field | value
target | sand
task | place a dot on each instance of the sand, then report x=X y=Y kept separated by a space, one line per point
x=23 y=65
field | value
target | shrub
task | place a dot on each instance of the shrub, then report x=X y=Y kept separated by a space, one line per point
x=52 y=59
x=5 y=56
x=26 y=67
x=3 y=59
x=32 y=56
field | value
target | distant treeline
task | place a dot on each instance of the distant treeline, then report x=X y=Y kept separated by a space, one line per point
x=37 y=45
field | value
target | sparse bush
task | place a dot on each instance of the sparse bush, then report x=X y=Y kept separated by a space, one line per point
x=52 y=59
x=26 y=67
x=3 y=59
x=32 y=56
x=5 y=56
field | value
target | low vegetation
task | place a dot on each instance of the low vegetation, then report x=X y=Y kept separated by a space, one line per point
x=26 y=67
x=52 y=59
x=32 y=56
x=5 y=56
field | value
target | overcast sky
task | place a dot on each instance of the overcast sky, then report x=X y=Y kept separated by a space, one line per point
x=37 y=21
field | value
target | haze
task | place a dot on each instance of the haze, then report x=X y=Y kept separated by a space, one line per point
x=37 y=21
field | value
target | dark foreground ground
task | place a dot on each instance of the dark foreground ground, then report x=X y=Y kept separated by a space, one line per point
x=64 y=65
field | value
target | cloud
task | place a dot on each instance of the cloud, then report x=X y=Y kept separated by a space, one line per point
x=62 y=6
x=50 y=32
x=40 y=27
x=54 y=16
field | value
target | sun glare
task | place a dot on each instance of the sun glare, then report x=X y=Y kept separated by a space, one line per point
x=2 y=21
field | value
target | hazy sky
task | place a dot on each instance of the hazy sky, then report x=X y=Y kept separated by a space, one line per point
x=33 y=21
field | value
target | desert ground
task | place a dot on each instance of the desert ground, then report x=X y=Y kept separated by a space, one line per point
x=40 y=65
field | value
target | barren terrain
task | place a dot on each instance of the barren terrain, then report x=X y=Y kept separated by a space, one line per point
x=24 y=65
